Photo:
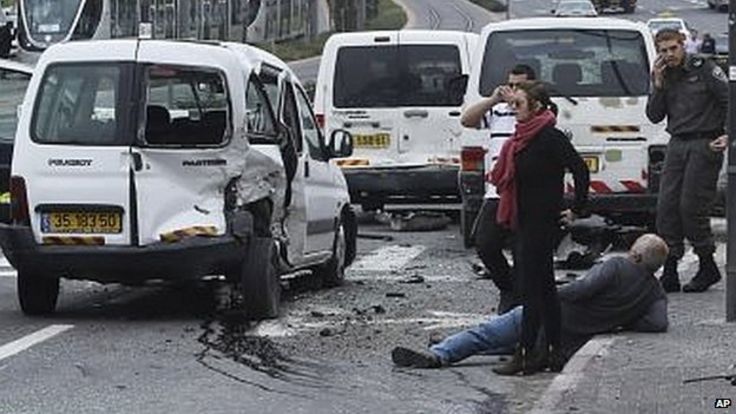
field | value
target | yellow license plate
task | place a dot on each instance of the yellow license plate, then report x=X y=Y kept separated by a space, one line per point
x=592 y=163
x=81 y=222
x=371 y=140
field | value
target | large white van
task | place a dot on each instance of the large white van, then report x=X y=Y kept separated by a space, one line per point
x=145 y=159
x=399 y=93
x=598 y=73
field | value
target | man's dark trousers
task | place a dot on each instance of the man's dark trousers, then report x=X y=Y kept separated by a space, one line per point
x=686 y=194
x=490 y=239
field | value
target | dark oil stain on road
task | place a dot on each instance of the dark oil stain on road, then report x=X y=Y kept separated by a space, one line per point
x=494 y=403
x=227 y=336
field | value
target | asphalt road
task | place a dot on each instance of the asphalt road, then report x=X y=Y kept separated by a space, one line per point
x=166 y=349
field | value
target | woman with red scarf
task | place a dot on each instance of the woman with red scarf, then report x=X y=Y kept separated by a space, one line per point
x=529 y=177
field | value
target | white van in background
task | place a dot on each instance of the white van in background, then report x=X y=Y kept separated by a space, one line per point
x=598 y=73
x=400 y=94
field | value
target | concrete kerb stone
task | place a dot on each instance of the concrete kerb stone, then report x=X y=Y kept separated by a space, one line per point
x=572 y=374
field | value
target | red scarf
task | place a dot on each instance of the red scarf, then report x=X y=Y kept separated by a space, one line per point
x=503 y=175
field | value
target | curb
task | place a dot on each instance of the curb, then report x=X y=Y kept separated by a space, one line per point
x=572 y=374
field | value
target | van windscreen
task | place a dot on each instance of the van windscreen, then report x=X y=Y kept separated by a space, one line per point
x=391 y=76
x=574 y=62
x=84 y=104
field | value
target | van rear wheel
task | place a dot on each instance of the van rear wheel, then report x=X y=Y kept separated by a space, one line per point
x=259 y=280
x=37 y=294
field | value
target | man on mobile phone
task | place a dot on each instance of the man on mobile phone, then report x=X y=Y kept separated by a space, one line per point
x=692 y=93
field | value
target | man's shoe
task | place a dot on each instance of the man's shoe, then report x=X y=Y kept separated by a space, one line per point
x=708 y=275
x=405 y=357
x=670 y=280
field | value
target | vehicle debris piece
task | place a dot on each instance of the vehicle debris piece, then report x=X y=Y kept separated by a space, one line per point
x=413 y=279
x=419 y=221
x=395 y=295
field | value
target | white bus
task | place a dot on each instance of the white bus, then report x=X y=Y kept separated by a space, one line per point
x=42 y=23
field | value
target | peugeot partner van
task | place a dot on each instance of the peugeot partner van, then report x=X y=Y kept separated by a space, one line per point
x=145 y=159
x=399 y=93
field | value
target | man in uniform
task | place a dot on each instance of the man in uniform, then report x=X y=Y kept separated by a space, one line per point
x=692 y=93
x=495 y=114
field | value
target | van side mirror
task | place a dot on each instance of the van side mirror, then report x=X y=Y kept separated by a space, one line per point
x=341 y=144
x=456 y=88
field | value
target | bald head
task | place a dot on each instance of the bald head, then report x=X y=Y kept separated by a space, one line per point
x=650 y=251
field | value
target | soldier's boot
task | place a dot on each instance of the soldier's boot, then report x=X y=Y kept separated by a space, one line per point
x=670 y=280
x=708 y=274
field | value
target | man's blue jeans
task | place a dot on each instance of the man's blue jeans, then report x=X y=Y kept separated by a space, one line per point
x=498 y=335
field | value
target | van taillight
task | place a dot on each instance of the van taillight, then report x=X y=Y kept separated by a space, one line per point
x=18 y=201
x=473 y=158
x=320 y=120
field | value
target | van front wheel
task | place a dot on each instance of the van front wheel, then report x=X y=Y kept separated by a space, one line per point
x=37 y=294
x=332 y=273
x=259 y=280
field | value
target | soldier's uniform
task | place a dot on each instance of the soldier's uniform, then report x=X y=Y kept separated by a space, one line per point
x=694 y=98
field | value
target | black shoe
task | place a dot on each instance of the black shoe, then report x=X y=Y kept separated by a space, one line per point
x=405 y=357
x=708 y=275
x=522 y=363
x=512 y=367
x=670 y=280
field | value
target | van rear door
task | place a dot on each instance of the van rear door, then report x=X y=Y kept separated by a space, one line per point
x=365 y=94
x=181 y=160
x=429 y=116
x=78 y=179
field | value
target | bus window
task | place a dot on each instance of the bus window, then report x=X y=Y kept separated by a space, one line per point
x=12 y=90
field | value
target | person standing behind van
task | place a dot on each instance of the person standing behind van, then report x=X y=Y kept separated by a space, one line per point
x=496 y=114
x=529 y=176
x=692 y=93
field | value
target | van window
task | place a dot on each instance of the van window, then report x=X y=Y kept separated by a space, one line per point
x=186 y=106
x=82 y=104
x=390 y=76
x=574 y=62
x=290 y=116
x=310 y=128
x=258 y=114
x=12 y=90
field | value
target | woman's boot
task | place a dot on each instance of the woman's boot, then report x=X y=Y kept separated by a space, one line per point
x=515 y=365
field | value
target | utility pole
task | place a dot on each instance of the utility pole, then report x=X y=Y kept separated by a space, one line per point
x=508 y=9
x=731 y=187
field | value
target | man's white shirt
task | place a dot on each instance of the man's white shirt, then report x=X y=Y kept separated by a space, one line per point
x=501 y=121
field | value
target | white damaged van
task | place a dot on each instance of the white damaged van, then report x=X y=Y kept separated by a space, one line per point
x=399 y=93
x=146 y=159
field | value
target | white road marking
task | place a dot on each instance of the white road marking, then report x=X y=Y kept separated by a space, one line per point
x=387 y=258
x=571 y=374
x=28 y=341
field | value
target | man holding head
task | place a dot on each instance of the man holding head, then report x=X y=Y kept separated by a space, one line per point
x=620 y=293
x=495 y=113
x=692 y=93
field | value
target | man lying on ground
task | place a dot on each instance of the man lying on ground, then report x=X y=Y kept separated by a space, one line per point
x=620 y=293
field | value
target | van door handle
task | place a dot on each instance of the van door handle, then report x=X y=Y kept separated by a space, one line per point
x=418 y=113
x=454 y=113
x=137 y=161
x=306 y=168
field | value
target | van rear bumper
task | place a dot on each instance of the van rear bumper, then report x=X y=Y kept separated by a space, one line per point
x=187 y=259
x=426 y=184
